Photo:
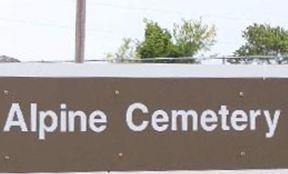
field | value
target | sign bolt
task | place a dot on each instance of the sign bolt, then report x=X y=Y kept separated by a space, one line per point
x=120 y=155
x=6 y=92
x=117 y=92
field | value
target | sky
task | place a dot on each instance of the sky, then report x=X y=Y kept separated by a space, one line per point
x=35 y=30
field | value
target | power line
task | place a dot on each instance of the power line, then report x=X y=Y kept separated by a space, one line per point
x=52 y=25
x=34 y=23
x=226 y=16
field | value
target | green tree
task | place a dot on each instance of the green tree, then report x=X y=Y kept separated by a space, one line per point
x=263 y=40
x=157 y=41
x=186 y=40
x=126 y=51
x=190 y=37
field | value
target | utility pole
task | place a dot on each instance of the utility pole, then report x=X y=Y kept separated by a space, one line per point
x=80 y=31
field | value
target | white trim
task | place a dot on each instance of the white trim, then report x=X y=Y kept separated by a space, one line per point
x=142 y=70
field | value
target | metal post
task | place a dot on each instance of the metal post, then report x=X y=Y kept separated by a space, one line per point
x=223 y=60
x=80 y=31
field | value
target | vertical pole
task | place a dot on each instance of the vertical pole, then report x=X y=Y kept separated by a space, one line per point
x=223 y=60
x=80 y=31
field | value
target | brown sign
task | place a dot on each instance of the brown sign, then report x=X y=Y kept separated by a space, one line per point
x=126 y=124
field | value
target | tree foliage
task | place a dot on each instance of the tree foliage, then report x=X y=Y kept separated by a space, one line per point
x=186 y=39
x=126 y=51
x=190 y=37
x=157 y=41
x=263 y=40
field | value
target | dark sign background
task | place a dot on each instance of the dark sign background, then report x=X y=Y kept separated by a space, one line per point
x=120 y=149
